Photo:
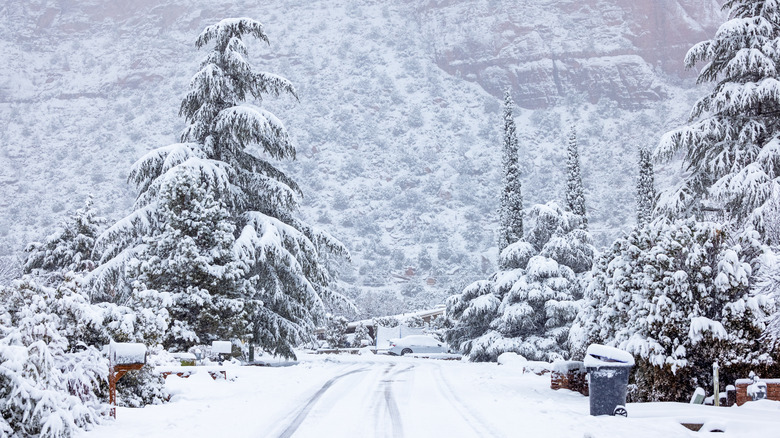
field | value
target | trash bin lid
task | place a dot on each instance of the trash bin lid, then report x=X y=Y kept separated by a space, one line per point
x=601 y=355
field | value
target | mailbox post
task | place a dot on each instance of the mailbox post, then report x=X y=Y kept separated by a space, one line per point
x=122 y=357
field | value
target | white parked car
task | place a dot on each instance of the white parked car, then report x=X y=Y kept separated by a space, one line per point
x=417 y=344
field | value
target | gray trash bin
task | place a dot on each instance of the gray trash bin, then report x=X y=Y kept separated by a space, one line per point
x=608 y=370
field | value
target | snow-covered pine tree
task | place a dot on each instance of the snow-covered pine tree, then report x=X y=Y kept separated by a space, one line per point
x=227 y=144
x=529 y=308
x=535 y=314
x=192 y=257
x=510 y=213
x=731 y=145
x=69 y=248
x=542 y=301
x=608 y=304
x=575 y=194
x=645 y=189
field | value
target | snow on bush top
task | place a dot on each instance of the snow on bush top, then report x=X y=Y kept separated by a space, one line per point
x=125 y=353
x=601 y=355
x=701 y=325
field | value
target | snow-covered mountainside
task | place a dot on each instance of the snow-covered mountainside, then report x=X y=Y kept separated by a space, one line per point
x=398 y=123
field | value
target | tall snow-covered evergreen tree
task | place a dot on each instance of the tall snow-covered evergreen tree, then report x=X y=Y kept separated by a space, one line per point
x=67 y=249
x=645 y=189
x=731 y=146
x=227 y=146
x=575 y=194
x=510 y=214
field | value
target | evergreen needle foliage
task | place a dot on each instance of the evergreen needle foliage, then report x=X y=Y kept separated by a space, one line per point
x=645 y=189
x=510 y=215
x=575 y=194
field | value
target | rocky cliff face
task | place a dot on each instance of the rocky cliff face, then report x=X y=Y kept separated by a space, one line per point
x=549 y=50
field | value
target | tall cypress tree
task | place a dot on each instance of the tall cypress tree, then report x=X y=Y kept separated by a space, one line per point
x=283 y=262
x=511 y=206
x=575 y=194
x=645 y=189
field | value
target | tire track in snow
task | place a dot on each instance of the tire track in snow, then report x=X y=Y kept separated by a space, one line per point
x=296 y=422
x=392 y=406
x=475 y=422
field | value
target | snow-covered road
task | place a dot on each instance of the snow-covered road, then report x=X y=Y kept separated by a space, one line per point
x=382 y=396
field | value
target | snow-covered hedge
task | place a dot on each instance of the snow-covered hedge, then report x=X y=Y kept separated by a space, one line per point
x=677 y=295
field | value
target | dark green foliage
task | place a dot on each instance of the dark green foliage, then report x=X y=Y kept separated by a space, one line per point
x=575 y=193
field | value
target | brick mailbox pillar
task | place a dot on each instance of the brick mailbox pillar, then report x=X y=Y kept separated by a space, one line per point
x=772 y=390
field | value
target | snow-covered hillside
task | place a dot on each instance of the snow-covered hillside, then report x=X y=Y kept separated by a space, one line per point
x=398 y=124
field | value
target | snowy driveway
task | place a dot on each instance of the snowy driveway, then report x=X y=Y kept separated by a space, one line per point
x=381 y=396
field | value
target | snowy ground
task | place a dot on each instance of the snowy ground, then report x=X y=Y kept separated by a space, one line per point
x=383 y=396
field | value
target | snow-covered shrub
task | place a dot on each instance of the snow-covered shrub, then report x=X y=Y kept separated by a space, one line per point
x=386 y=321
x=472 y=310
x=144 y=387
x=361 y=335
x=336 y=331
x=678 y=296
x=145 y=321
x=69 y=248
x=10 y=269
x=414 y=321
x=48 y=384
